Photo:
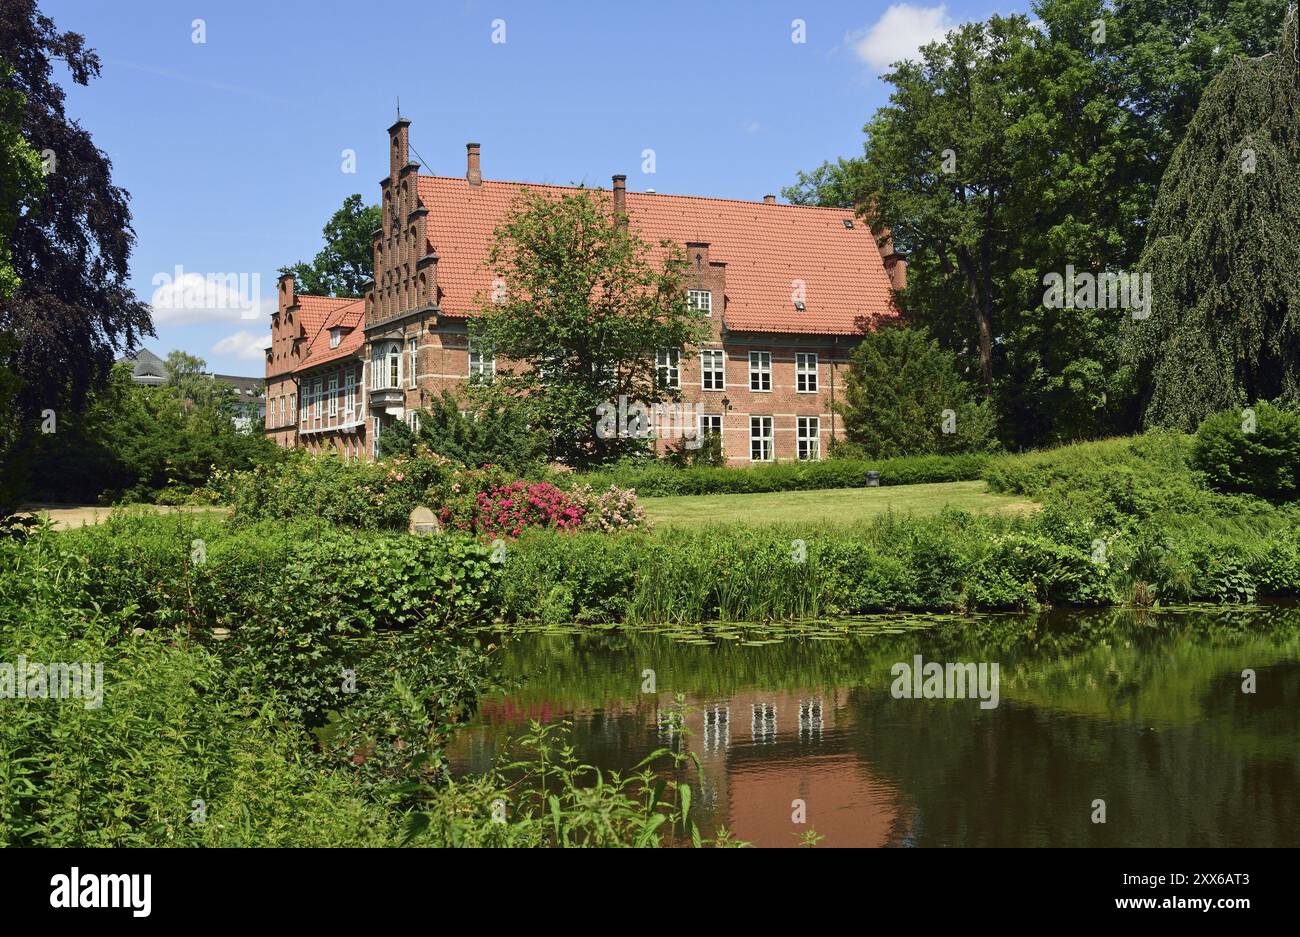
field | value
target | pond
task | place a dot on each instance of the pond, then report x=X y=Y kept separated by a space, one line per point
x=1182 y=726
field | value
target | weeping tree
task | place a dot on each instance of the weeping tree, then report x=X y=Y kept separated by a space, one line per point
x=1222 y=250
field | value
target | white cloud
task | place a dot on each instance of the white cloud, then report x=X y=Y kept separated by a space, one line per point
x=900 y=32
x=181 y=298
x=243 y=345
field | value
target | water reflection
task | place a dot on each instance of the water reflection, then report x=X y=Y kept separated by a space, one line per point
x=1145 y=712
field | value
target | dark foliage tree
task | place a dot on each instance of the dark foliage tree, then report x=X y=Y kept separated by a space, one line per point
x=73 y=313
x=490 y=431
x=1222 y=252
x=70 y=246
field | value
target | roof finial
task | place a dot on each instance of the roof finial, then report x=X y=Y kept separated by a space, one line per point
x=399 y=107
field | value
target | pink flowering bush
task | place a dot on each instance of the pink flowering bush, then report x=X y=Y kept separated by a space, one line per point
x=510 y=509
x=488 y=501
x=611 y=510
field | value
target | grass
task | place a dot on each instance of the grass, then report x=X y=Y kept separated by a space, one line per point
x=834 y=505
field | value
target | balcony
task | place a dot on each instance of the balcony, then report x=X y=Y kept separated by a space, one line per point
x=390 y=400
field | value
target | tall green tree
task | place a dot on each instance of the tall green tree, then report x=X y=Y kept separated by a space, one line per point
x=20 y=177
x=1222 y=250
x=1014 y=150
x=346 y=264
x=584 y=308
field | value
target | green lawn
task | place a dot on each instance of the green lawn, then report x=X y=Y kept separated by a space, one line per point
x=835 y=505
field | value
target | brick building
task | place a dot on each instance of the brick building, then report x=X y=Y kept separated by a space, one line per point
x=788 y=289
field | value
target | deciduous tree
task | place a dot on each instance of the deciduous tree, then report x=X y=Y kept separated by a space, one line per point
x=581 y=308
x=345 y=265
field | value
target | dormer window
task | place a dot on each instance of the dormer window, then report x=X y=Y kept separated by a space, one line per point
x=336 y=336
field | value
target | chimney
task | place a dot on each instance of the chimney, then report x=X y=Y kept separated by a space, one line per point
x=697 y=252
x=895 y=263
x=620 y=200
x=399 y=148
x=769 y=199
x=473 y=172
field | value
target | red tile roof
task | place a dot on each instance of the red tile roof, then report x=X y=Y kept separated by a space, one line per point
x=766 y=247
x=346 y=314
x=314 y=310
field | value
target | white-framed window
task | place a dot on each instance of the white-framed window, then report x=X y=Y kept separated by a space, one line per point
x=810 y=719
x=760 y=439
x=413 y=420
x=713 y=369
x=385 y=366
x=710 y=424
x=482 y=367
x=805 y=372
x=700 y=299
x=762 y=723
x=336 y=336
x=808 y=438
x=717 y=729
x=374 y=437
x=760 y=370
x=350 y=391
x=412 y=348
x=550 y=364
x=315 y=398
x=332 y=401
x=668 y=372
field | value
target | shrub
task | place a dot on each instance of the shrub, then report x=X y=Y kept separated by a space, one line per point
x=362 y=495
x=658 y=479
x=294 y=597
x=899 y=387
x=173 y=727
x=608 y=511
x=496 y=432
x=1115 y=480
x=1258 y=455
x=511 y=508
x=707 y=452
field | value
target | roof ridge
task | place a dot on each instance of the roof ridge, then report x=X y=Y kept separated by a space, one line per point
x=701 y=198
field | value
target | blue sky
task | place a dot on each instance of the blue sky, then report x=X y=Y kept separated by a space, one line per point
x=233 y=147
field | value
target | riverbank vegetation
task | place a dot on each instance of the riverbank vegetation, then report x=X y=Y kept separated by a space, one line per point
x=321 y=721
x=287 y=677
